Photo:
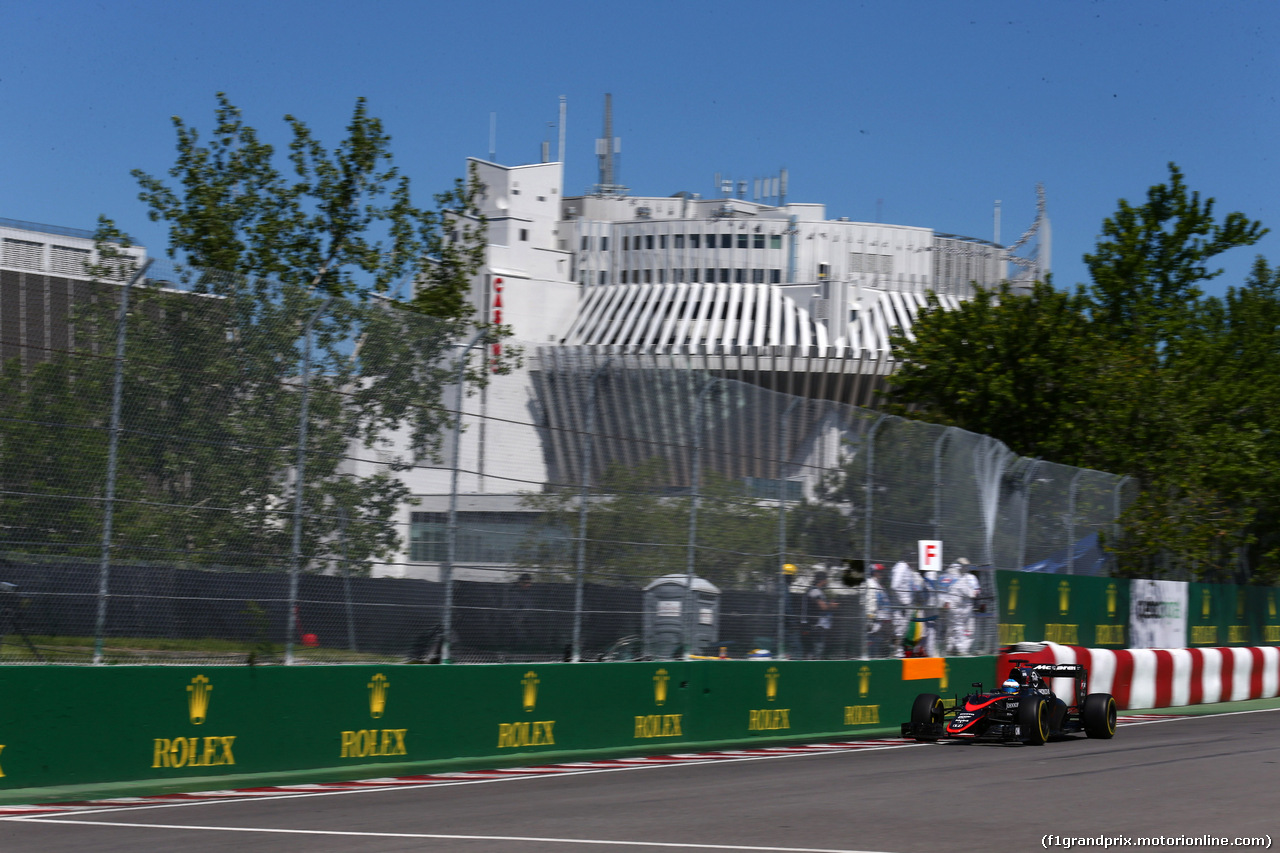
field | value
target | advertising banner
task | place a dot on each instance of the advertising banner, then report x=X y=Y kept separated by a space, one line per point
x=1229 y=615
x=1157 y=614
x=1067 y=609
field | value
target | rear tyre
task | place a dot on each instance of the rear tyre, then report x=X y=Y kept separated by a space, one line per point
x=927 y=709
x=1033 y=717
x=1099 y=715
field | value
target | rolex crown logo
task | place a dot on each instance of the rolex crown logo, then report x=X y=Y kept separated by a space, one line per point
x=660 y=679
x=1271 y=604
x=1111 y=600
x=530 y=682
x=378 y=695
x=1064 y=597
x=1013 y=596
x=864 y=680
x=198 y=699
x=1206 y=598
x=771 y=683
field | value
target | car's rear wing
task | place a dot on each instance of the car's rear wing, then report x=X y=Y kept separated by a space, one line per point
x=1063 y=670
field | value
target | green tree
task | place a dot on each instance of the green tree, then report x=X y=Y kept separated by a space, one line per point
x=212 y=370
x=1137 y=374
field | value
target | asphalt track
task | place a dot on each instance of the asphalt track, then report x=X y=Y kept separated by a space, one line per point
x=1194 y=776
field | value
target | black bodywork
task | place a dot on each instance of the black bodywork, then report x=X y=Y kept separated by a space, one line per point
x=1031 y=715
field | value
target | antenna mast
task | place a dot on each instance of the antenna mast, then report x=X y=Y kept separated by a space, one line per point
x=606 y=149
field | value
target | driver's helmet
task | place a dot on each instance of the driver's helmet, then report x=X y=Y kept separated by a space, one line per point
x=1010 y=686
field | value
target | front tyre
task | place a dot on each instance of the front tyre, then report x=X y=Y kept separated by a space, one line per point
x=1099 y=715
x=927 y=709
x=1033 y=718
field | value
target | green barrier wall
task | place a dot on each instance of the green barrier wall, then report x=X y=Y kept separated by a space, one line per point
x=176 y=728
x=1067 y=609
x=1228 y=615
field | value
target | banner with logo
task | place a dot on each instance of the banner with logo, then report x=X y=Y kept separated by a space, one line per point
x=1068 y=609
x=1157 y=614
x=1229 y=615
x=190 y=726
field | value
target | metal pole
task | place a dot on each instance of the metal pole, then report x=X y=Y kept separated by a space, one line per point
x=1026 y=508
x=113 y=444
x=937 y=483
x=782 y=528
x=295 y=562
x=1071 y=524
x=690 y=599
x=451 y=535
x=868 y=501
x=587 y=438
x=346 y=578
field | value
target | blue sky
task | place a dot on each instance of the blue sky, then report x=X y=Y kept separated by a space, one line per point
x=916 y=113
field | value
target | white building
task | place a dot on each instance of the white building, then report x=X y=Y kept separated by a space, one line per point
x=779 y=296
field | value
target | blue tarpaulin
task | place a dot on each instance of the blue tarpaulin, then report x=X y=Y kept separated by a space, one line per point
x=1089 y=558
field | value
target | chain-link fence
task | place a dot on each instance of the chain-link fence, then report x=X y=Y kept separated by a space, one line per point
x=199 y=467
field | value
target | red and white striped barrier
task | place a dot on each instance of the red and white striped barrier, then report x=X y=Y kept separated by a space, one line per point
x=1166 y=678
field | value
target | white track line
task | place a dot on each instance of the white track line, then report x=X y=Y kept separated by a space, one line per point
x=670 y=845
x=585 y=771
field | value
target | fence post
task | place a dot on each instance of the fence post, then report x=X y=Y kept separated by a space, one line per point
x=295 y=561
x=937 y=482
x=451 y=534
x=587 y=439
x=690 y=598
x=113 y=444
x=1026 y=509
x=1071 y=523
x=782 y=527
x=346 y=578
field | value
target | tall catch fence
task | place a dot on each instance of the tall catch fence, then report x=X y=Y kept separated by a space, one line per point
x=199 y=467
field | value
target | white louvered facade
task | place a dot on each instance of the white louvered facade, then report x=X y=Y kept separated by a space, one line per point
x=732 y=318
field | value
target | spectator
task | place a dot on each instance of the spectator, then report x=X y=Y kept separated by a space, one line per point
x=960 y=589
x=905 y=585
x=816 y=616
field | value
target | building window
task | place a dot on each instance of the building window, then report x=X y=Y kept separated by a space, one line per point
x=775 y=241
x=622 y=277
x=775 y=276
x=726 y=241
x=662 y=241
x=648 y=241
x=662 y=276
x=757 y=276
x=711 y=276
x=586 y=244
x=604 y=277
x=626 y=243
x=824 y=272
x=524 y=234
x=740 y=276
x=604 y=244
x=724 y=275
x=694 y=240
x=678 y=241
x=65 y=260
x=24 y=254
x=742 y=241
x=757 y=241
x=648 y=276
x=711 y=241
x=693 y=275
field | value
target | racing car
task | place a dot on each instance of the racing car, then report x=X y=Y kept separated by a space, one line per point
x=1024 y=709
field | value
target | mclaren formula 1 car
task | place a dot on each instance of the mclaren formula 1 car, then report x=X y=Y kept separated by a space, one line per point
x=1024 y=709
